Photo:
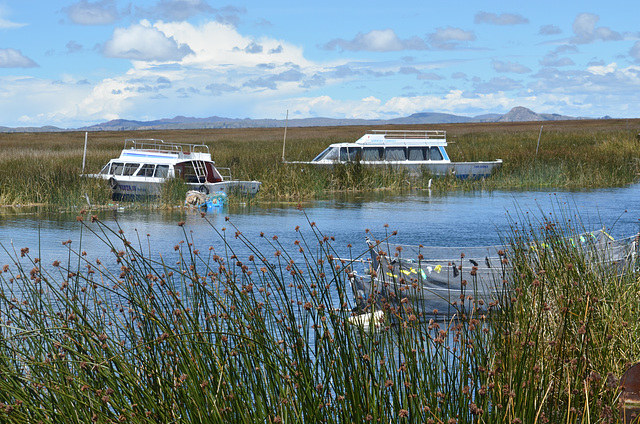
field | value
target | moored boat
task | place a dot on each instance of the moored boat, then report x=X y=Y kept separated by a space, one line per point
x=445 y=280
x=145 y=164
x=416 y=151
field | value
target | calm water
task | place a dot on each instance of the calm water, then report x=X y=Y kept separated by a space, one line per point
x=458 y=219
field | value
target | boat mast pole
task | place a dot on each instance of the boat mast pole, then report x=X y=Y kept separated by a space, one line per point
x=286 y=121
x=539 y=135
x=84 y=155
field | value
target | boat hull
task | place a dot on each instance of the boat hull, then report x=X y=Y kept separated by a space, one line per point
x=432 y=287
x=140 y=187
x=445 y=280
x=462 y=170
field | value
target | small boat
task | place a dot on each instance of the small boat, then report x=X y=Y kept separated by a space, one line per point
x=416 y=151
x=145 y=164
x=442 y=280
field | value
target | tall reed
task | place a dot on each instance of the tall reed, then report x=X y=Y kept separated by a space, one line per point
x=249 y=330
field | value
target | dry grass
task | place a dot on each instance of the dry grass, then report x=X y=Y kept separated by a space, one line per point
x=572 y=154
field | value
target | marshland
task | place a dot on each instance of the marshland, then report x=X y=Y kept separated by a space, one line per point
x=157 y=313
x=45 y=168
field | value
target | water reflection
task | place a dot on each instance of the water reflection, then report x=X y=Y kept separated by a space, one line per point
x=455 y=219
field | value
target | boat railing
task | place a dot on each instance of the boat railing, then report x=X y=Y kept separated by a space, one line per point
x=161 y=145
x=225 y=173
x=411 y=134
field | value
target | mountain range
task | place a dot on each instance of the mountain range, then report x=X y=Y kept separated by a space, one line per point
x=517 y=114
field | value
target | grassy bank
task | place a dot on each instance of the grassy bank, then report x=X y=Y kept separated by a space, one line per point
x=45 y=167
x=264 y=336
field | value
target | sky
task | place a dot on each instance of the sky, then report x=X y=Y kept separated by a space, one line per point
x=75 y=63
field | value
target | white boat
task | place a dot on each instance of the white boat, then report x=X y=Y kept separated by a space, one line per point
x=145 y=164
x=441 y=280
x=415 y=150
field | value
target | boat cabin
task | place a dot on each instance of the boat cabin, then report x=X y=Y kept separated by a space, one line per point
x=390 y=146
x=152 y=158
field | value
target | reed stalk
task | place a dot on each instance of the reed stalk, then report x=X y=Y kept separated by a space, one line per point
x=248 y=330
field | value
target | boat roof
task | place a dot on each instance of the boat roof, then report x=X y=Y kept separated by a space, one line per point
x=153 y=150
x=387 y=138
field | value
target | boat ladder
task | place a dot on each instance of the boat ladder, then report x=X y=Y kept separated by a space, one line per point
x=201 y=171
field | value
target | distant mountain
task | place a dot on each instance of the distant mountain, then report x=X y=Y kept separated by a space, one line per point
x=522 y=114
x=517 y=114
x=430 y=118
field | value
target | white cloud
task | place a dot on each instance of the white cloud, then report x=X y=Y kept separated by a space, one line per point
x=6 y=24
x=499 y=84
x=384 y=40
x=549 y=30
x=503 y=19
x=84 y=12
x=219 y=68
x=20 y=94
x=585 y=30
x=635 y=51
x=177 y=9
x=449 y=38
x=217 y=46
x=555 y=61
x=454 y=101
x=11 y=58
x=145 y=43
x=598 y=85
x=603 y=70
x=500 y=66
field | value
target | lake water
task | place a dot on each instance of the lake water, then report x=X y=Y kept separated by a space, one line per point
x=456 y=219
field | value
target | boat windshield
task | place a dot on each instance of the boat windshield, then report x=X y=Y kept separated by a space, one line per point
x=330 y=153
x=106 y=168
x=116 y=168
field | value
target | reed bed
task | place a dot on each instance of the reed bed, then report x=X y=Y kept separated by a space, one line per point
x=253 y=331
x=45 y=168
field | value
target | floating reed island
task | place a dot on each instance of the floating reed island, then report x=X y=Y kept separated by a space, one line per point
x=245 y=334
x=564 y=155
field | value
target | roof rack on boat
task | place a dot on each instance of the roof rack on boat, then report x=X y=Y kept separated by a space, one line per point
x=411 y=134
x=161 y=145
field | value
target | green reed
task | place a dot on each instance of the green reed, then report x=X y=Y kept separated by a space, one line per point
x=252 y=331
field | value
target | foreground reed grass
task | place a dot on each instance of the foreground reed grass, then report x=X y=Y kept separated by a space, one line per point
x=45 y=168
x=243 y=333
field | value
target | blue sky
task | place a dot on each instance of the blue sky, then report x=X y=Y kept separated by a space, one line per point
x=75 y=63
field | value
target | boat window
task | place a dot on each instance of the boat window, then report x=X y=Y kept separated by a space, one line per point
x=330 y=153
x=106 y=168
x=350 y=154
x=162 y=171
x=418 y=153
x=130 y=168
x=372 y=153
x=435 y=154
x=146 y=170
x=116 y=168
x=396 y=153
